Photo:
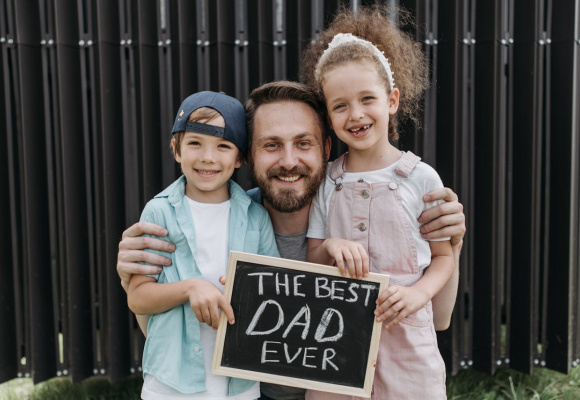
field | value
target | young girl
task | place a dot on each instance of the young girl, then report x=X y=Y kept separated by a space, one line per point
x=365 y=215
x=206 y=214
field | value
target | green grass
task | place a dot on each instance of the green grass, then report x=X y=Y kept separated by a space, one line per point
x=542 y=384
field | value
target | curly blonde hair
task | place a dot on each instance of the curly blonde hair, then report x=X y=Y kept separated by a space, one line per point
x=375 y=24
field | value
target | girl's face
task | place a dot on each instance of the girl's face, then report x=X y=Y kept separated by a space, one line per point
x=207 y=162
x=359 y=107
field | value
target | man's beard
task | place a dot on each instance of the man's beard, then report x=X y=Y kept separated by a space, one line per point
x=287 y=200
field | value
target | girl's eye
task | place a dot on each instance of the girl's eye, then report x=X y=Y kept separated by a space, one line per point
x=338 y=107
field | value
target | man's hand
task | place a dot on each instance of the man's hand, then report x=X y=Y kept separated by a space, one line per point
x=131 y=251
x=445 y=219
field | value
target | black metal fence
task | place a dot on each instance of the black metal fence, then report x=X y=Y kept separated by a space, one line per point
x=90 y=88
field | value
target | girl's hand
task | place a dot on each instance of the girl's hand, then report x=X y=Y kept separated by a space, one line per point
x=398 y=302
x=206 y=301
x=352 y=253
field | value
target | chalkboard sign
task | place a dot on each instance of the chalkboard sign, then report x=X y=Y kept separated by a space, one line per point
x=299 y=324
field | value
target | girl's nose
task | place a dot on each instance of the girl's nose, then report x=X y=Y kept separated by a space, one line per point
x=356 y=113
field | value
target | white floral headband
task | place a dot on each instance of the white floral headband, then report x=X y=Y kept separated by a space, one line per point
x=345 y=38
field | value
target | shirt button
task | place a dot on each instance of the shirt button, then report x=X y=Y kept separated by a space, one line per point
x=365 y=194
x=362 y=227
x=361 y=180
x=196 y=348
x=393 y=185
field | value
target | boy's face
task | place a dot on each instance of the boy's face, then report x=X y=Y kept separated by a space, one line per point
x=207 y=162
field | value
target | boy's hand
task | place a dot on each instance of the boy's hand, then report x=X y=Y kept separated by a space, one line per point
x=350 y=253
x=206 y=301
x=131 y=251
x=445 y=219
x=398 y=302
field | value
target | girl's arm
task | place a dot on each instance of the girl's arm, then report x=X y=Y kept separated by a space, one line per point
x=403 y=300
x=338 y=251
x=444 y=301
x=146 y=296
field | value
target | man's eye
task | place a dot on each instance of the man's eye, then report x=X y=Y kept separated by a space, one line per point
x=304 y=144
x=271 y=145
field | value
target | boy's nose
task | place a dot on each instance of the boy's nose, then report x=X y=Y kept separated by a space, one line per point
x=208 y=155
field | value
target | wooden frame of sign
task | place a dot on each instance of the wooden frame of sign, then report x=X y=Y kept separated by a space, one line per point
x=299 y=324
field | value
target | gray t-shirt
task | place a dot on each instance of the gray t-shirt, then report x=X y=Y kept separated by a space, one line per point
x=294 y=247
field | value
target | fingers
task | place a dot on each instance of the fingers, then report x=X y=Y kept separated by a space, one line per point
x=222 y=279
x=145 y=242
x=440 y=194
x=227 y=309
x=350 y=256
x=439 y=210
x=141 y=228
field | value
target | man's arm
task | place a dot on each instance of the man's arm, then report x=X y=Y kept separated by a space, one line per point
x=132 y=251
x=445 y=220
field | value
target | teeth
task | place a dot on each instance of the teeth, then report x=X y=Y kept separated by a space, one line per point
x=289 y=178
x=358 y=129
x=206 y=172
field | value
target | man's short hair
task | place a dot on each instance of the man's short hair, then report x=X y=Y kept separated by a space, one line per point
x=284 y=91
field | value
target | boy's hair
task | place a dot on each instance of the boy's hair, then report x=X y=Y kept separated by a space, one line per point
x=375 y=24
x=283 y=91
x=201 y=114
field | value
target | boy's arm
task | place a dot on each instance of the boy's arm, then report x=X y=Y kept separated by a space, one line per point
x=407 y=300
x=146 y=296
x=132 y=251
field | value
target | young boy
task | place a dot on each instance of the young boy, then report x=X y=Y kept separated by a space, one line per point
x=206 y=214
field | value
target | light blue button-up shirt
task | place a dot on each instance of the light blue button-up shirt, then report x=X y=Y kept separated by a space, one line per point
x=173 y=350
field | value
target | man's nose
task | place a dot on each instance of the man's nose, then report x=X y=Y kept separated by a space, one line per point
x=289 y=158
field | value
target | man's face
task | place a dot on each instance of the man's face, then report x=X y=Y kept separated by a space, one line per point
x=288 y=159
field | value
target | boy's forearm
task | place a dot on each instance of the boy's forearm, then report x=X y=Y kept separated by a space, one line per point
x=154 y=298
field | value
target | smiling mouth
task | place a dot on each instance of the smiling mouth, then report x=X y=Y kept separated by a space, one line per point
x=355 y=130
x=289 y=178
x=206 y=172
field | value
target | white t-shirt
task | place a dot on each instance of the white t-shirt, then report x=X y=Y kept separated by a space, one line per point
x=211 y=223
x=422 y=180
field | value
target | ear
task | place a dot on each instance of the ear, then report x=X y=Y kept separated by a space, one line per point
x=239 y=159
x=394 y=101
x=176 y=155
x=327 y=147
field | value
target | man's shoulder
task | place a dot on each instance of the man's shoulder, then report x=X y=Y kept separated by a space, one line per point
x=255 y=195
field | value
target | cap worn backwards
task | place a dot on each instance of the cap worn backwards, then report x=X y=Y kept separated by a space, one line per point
x=231 y=110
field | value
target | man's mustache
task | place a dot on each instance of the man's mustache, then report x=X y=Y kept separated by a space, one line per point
x=281 y=171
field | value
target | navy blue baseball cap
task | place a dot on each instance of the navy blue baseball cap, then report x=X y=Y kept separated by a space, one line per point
x=231 y=110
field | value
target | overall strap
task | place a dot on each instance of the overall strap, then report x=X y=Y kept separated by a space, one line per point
x=406 y=164
x=337 y=168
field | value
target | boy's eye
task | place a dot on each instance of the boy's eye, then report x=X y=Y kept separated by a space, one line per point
x=193 y=143
x=225 y=146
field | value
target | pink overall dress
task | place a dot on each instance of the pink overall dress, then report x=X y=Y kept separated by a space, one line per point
x=409 y=364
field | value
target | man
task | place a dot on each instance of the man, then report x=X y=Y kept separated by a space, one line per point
x=288 y=154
